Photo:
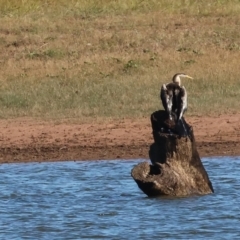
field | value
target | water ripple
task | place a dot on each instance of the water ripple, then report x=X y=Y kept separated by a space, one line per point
x=100 y=200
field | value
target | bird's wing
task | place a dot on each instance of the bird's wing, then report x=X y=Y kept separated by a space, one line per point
x=182 y=98
x=163 y=96
x=166 y=99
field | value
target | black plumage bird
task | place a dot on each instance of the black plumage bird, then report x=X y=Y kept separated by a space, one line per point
x=174 y=97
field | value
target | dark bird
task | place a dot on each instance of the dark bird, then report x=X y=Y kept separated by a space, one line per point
x=174 y=97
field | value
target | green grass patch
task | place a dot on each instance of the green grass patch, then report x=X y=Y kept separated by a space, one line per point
x=93 y=7
x=107 y=98
x=108 y=59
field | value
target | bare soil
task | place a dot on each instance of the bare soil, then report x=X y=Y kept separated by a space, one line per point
x=25 y=140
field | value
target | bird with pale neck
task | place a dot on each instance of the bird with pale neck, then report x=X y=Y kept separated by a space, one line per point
x=174 y=97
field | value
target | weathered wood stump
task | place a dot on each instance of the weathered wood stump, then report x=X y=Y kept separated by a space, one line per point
x=176 y=168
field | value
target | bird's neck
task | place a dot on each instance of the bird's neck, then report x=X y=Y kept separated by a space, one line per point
x=178 y=83
x=177 y=80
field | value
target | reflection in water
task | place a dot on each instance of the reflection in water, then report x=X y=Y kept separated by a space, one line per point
x=99 y=199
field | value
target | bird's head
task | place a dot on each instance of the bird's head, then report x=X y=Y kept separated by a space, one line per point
x=177 y=78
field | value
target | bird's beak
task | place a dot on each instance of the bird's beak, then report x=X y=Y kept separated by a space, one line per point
x=188 y=77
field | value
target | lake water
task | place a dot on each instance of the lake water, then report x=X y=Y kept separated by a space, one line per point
x=100 y=200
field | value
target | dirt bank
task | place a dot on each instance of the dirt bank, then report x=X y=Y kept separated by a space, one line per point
x=24 y=140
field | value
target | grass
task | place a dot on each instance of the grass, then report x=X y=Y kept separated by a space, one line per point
x=108 y=59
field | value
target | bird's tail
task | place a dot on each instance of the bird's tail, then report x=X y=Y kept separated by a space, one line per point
x=181 y=127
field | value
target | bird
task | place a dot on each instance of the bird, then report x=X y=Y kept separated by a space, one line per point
x=174 y=97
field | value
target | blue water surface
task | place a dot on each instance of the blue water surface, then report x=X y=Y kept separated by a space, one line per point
x=100 y=200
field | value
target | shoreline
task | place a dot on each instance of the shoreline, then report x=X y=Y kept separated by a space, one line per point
x=26 y=140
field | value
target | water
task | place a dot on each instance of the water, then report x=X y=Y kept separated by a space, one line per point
x=100 y=200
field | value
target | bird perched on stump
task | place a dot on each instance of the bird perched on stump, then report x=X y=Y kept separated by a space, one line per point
x=174 y=97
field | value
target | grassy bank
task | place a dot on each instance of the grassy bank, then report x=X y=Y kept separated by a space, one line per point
x=90 y=59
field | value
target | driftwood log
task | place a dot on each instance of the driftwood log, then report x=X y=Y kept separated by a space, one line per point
x=176 y=168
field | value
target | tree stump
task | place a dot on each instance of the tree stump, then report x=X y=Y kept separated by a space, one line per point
x=176 y=168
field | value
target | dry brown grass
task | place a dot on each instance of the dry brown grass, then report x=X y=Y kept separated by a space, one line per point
x=109 y=60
